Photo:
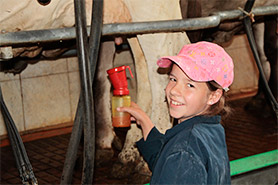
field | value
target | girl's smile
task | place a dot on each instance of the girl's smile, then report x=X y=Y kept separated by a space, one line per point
x=175 y=103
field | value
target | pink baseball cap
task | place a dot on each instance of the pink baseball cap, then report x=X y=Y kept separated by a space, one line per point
x=203 y=62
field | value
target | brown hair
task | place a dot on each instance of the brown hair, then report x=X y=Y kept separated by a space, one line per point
x=221 y=107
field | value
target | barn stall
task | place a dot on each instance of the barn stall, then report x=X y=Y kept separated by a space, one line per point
x=48 y=90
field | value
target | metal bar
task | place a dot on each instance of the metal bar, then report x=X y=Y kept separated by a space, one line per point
x=37 y=36
x=161 y=26
x=258 y=11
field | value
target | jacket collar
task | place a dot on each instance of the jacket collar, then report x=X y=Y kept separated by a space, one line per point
x=190 y=123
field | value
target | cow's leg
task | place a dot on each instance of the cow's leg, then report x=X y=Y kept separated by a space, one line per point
x=144 y=100
x=259 y=36
x=192 y=9
x=150 y=48
x=102 y=88
x=129 y=157
x=257 y=103
x=266 y=42
x=271 y=48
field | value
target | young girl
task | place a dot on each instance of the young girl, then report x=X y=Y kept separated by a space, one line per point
x=194 y=151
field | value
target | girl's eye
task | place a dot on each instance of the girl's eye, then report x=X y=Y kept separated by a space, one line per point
x=190 y=85
x=172 y=79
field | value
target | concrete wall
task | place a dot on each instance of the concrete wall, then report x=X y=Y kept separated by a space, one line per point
x=46 y=93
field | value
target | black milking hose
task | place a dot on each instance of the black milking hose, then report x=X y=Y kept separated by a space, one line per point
x=247 y=24
x=73 y=145
x=95 y=35
x=93 y=50
x=22 y=161
x=15 y=148
x=86 y=91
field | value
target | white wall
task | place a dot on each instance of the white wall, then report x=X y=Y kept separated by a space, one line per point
x=44 y=94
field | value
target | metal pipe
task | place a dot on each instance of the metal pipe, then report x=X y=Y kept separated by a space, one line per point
x=258 y=11
x=160 y=26
x=37 y=36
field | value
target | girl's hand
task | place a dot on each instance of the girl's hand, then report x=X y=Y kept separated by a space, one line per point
x=136 y=113
x=139 y=116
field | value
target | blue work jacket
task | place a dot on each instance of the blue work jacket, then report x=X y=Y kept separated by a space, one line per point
x=192 y=152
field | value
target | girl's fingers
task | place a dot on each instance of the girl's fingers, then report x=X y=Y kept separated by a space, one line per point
x=132 y=104
x=119 y=109
x=123 y=109
x=135 y=111
x=133 y=108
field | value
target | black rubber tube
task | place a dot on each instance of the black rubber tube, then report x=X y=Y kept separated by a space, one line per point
x=95 y=35
x=22 y=161
x=14 y=145
x=248 y=28
x=86 y=91
x=12 y=137
x=73 y=145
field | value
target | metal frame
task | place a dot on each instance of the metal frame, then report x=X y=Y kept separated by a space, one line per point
x=118 y=29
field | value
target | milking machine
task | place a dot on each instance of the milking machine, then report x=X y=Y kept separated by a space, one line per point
x=248 y=28
x=21 y=158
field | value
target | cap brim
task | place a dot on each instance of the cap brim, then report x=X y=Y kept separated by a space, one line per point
x=187 y=65
x=165 y=62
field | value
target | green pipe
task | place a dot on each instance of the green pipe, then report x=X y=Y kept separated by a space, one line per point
x=253 y=162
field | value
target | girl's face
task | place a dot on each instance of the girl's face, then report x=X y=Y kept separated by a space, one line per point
x=186 y=98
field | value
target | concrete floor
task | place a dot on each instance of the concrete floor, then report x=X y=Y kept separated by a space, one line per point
x=247 y=133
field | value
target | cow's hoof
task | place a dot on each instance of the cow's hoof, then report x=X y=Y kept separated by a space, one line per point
x=142 y=174
x=140 y=179
x=259 y=106
x=103 y=156
x=120 y=170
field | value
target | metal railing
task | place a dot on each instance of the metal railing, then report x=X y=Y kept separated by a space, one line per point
x=60 y=34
